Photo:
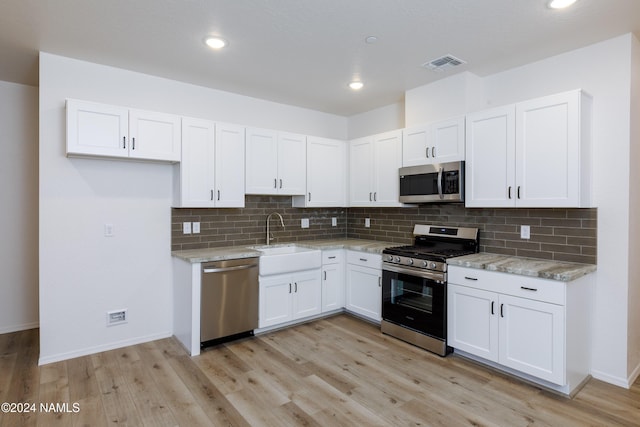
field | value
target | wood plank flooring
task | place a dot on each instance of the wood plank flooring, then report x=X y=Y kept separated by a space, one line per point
x=338 y=371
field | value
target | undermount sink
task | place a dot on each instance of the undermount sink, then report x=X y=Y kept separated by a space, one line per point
x=285 y=259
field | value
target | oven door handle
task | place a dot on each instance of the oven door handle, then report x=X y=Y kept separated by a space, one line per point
x=440 y=183
x=424 y=274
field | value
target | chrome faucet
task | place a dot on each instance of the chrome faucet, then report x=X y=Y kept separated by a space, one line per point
x=269 y=236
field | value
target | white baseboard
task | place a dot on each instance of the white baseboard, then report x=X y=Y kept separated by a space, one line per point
x=634 y=376
x=619 y=381
x=16 y=328
x=101 y=348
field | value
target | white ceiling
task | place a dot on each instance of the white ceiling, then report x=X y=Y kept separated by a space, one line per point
x=303 y=52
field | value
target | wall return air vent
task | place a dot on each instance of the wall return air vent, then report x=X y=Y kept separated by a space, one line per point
x=443 y=63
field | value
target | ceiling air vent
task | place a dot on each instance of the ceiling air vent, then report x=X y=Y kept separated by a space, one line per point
x=443 y=63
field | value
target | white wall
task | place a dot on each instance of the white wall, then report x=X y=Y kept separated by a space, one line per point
x=19 y=212
x=375 y=121
x=633 y=364
x=82 y=273
x=603 y=70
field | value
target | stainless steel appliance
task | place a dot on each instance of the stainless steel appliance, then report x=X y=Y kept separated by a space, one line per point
x=436 y=183
x=414 y=284
x=229 y=299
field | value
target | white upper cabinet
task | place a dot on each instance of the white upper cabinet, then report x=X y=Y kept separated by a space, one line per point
x=374 y=163
x=490 y=164
x=326 y=174
x=102 y=130
x=438 y=142
x=275 y=162
x=535 y=153
x=212 y=167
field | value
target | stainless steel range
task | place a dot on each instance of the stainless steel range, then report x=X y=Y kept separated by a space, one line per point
x=414 y=284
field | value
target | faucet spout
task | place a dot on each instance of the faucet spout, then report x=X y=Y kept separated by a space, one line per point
x=269 y=236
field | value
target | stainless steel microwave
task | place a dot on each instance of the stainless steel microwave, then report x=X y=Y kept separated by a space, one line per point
x=436 y=183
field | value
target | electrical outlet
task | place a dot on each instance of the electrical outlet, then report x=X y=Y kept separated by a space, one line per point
x=525 y=232
x=186 y=228
x=108 y=230
x=195 y=227
x=334 y=222
x=117 y=317
x=304 y=223
x=367 y=222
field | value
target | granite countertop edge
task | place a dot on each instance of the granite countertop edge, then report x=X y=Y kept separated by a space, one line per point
x=532 y=267
x=237 y=252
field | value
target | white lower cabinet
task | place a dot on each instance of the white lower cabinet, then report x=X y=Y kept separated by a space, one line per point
x=288 y=297
x=332 y=280
x=364 y=284
x=534 y=326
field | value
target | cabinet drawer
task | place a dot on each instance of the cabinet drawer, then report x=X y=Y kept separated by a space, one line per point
x=365 y=259
x=533 y=288
x=333 y=256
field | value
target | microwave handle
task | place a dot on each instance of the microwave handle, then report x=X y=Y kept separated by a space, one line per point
x=440 y=183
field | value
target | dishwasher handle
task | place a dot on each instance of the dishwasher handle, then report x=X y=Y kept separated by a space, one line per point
x=224 y=269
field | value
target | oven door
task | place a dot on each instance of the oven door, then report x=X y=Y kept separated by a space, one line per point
x=416 y=300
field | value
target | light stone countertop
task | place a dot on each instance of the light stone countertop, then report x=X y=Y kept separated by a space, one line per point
x=554 y=270
x=237 y=252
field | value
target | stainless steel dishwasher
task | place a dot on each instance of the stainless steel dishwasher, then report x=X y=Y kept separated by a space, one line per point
x=229 y=299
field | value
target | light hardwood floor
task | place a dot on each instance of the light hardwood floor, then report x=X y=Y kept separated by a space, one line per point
x=330 y=372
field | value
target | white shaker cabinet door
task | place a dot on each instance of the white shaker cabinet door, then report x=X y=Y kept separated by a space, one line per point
x=154 y=136
x=97 y=129
x=292 y=164
x=532 y=337
x=490 y=158
x=364 y=291
x=447 y=139
x=197 y=166
x=326 y=172
x=307 y=294
x=361 y=172
x=387 y=161
x=261 y=161
x=229 y=166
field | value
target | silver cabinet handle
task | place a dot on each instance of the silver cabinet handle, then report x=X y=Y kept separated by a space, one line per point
x=296 y=283
x=133 y=143
x=492 y=304
x=470 y=278
x=375 y=196
x=275 y=182
x=433 y=152
x=332 y=257
x=325 y=275
x=427 y=150
x=218 y=194
x=124 y=142
x=363 y=259
x=501 y=310
x=309 y=196
x=211 y=194
x=289 y=287
x=370 y=199
x=528 y=289
x=518 y=191
x=280 y=183
x=223 y=269
x=509 y=192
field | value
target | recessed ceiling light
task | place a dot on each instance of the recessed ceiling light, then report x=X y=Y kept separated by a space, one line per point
x=371 y=39
x=356 y=85
x=215 y=42
x=560 y=4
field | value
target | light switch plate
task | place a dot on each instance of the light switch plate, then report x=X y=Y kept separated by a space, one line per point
x=108 y=230
x=334 y=222
x=195 y=227
x=525 y=232
x=304 y=223
x=186 y=228
x=367 y=222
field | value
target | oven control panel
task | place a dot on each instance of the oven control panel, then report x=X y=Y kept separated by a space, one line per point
x=415 y=262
